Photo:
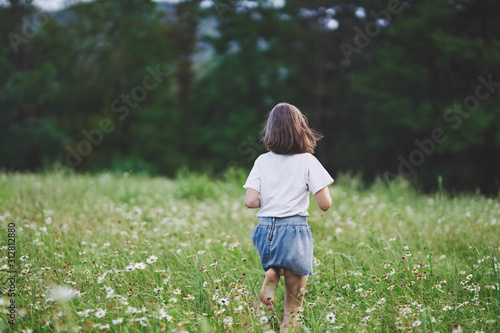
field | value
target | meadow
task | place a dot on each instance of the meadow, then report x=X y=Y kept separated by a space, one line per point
x=127 y=253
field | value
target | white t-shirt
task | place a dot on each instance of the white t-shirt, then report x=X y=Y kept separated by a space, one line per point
x=284 y=183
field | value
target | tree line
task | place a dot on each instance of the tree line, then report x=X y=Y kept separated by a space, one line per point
x=398 y=88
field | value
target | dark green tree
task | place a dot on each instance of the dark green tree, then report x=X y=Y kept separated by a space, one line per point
x=425 y=67
x=29 y=135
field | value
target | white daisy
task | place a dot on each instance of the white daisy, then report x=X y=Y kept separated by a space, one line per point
x=223 y=301
x=100 y=313
x=140 y=265
x=117 y=321
x=152 y=259
x=330 y=317
x=129 y=268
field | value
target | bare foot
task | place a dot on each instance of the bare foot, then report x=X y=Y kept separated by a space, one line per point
x=289 y=324
x=269 y=287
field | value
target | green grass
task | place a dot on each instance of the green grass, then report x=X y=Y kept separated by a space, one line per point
x=388 y=259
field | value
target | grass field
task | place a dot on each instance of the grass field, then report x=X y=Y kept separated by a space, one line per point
x=129 y=253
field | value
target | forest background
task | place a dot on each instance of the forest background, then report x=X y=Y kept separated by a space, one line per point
x=398 y=88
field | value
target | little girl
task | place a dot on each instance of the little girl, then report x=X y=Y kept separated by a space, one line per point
x=284 y=177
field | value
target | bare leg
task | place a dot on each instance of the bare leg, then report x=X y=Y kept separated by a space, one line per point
x=269 y=287
x=293 y=299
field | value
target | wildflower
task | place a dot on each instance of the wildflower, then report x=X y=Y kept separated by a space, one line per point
x=27 y=330
x=188 y=297
x=84 y=313
x=330 y=317
x=100 y=313
x=447 y=308
x=317 y=262
x=223 y=301
x=228 y=321
x=218 y=313
x=152 y=259
x=117 y=321
x=104 y=327
x=264 y=319
x=162 y=313
x=140 y=265
x=143 y=321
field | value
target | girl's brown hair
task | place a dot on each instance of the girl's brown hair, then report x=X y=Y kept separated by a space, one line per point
x=287 y=131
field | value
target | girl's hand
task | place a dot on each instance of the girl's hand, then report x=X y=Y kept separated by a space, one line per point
x=323 y=199
x=252 y=199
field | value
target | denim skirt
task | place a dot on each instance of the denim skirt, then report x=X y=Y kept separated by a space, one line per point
x=285 y=243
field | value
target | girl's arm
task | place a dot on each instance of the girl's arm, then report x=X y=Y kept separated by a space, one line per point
x=252 y=199
x=323 y=199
